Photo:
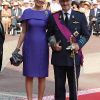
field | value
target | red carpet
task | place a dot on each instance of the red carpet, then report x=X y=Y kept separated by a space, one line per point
x=92 y=96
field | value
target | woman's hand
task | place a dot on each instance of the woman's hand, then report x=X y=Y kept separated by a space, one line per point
x=57 y=46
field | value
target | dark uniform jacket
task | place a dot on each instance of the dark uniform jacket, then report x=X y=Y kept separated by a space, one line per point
x=77 y=23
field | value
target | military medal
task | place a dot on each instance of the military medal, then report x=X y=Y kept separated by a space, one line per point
x=76 y=33
x=73 y=17
x=75 y=22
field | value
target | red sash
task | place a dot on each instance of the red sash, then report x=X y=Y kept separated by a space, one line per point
x=66 y=32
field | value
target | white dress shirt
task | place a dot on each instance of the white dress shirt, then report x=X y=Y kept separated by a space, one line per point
x=16 y=12
x=95 y=11
x=68 y=12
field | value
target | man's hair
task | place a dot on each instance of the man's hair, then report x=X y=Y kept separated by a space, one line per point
x=75 y=3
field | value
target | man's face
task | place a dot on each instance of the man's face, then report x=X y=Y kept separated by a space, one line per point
x=65 y=4
x=95 y=5
x=16 y=6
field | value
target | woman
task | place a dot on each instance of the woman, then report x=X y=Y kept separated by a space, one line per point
x=6 y=16
x=35 y=47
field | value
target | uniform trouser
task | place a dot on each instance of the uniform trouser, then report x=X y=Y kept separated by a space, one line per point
x=14 y=22
x=97 y=24
x=60 y=73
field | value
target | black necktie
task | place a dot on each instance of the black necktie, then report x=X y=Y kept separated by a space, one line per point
x=66 y=19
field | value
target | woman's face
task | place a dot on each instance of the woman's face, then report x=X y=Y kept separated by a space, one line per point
x=5 y=6
x=86 y=7
x=39 y=3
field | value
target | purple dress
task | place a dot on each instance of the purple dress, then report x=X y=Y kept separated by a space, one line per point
x=35 y=47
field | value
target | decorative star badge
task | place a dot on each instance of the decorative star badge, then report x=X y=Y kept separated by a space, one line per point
x=76 y=33
x=75 y=22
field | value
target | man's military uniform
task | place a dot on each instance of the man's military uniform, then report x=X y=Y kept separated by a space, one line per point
x=62 y=60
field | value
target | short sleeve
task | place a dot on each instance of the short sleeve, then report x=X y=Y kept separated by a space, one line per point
x=25 y=15
x=32 y=14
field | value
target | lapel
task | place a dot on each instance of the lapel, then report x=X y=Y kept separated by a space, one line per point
x=71 y=16
x=16 y=11
x=72 y=19
x=93 y=12
x=61 y=18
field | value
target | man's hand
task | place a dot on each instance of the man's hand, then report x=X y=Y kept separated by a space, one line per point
x=75 y=47
x=57 y=46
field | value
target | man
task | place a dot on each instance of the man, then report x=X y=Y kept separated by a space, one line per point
x=16 y=14
x=94 y=18
x=71 y=26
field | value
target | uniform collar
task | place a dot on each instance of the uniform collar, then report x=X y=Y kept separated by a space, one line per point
x=68 y=12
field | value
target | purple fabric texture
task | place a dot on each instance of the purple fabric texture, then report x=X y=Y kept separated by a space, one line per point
x=35 y=46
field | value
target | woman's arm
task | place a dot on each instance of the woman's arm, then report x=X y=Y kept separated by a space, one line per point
x=22 y=35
